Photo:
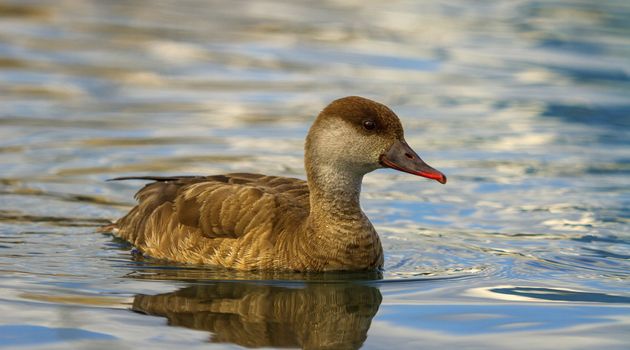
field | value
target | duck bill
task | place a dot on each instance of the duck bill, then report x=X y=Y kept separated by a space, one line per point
x=401 y=157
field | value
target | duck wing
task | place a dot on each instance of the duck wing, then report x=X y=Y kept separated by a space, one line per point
x=172 y=209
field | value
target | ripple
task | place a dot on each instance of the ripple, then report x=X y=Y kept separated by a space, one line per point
x=522 y=104
x=23 y=11
x=13 y=217
x=68 y=197
x=607 y=116
x=32 y=335
x=521 y=293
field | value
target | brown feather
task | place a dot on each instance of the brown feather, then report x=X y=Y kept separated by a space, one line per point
x=208 y=215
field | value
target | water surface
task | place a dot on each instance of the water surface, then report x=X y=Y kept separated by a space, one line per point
x=522 y=104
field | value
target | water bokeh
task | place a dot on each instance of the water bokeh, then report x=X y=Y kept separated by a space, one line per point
x=524 y=105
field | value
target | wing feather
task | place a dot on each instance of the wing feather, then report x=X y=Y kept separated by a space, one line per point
x=205 y=208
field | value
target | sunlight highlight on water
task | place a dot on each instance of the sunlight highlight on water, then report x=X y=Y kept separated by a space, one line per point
x=522 y=104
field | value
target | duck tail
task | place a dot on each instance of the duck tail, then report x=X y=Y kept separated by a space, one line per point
x=111 y=228
x=153 y=178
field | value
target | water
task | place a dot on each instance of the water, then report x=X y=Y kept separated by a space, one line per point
x=522 y=104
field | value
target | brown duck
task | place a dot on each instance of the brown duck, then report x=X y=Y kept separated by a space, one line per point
x=257 y=222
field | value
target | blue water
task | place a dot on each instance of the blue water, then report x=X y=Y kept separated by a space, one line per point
x=524 y=105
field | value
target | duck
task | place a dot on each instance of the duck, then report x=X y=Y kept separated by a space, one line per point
x=245 y=221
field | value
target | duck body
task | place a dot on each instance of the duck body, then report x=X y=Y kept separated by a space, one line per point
x=247 y=222
x=256 y=222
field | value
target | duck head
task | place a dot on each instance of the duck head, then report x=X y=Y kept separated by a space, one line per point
x=358 y=135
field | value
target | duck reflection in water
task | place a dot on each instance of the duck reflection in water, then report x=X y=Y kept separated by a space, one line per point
x=315 y=316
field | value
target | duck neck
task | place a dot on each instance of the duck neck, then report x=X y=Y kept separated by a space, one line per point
x=334 y=194
x=340 y=235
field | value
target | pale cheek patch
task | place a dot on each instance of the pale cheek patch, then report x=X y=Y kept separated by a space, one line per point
x=343 y=143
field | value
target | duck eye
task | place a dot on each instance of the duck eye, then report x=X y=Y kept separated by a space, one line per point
x=369 y=124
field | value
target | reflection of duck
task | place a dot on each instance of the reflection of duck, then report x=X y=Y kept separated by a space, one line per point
x=318 y=316
x=252 y=221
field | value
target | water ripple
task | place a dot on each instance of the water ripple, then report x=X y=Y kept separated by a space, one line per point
x=523 y=105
